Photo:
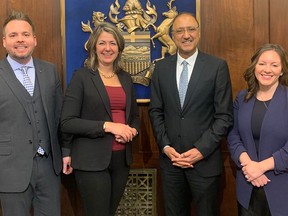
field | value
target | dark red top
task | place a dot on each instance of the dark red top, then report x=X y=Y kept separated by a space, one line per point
x=117 y=98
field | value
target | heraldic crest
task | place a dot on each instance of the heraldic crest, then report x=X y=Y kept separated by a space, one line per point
x=135 y=25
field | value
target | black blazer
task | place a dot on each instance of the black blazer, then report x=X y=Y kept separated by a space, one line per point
x=206 y=113
x=86 y=107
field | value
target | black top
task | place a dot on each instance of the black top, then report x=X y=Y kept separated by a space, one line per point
x=259 y=110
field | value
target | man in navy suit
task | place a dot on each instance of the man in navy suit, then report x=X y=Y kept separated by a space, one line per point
x=30 y=105
x=189 y=134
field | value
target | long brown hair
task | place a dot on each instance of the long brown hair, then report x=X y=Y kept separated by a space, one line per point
x=249 y=74
x=92 y=60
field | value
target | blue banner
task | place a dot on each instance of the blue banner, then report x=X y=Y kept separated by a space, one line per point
x=80 y=16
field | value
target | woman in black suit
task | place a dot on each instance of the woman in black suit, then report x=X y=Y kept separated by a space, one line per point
x=100 y=113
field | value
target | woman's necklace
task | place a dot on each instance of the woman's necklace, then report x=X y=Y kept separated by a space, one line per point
x=265 y=105
x=106 y=76
x=263 y=98
x=265 y=102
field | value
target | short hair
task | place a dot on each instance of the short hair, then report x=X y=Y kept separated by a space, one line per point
x=249 y=74
x=92 y=60
x=185 y=13
x=17 y=15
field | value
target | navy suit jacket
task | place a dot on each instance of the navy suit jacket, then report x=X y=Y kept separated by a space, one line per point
x=206 y=114
x=16 y=149
x=273 y=142
x=86 y=107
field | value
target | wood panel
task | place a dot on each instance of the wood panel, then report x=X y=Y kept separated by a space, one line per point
x=261 y=22
x=45 y=15
x=145 y=152
x=278 y=22
x=230 y=29
x=227 y=30
x=71 y=204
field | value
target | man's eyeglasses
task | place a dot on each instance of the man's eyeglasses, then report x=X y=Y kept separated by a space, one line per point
x=189 y=30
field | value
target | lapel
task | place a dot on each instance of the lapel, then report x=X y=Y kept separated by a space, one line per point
x=41 y=78
x=276 y=106
x=194 y=80
x=274 y=116
x=7 y=74
x=126 y=86
x=99 y=85
x=96 y=79
x=245 y=118
x=171 y=80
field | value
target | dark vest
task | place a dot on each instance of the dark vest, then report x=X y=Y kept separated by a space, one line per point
x=38 y=120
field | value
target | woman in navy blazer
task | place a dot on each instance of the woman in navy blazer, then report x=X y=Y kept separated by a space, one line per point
x=258 y=141
x=101 y=114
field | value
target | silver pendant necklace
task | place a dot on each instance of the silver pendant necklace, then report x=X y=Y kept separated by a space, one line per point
x=265 y=105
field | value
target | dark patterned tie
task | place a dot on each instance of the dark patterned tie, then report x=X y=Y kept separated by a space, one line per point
x=183 y=82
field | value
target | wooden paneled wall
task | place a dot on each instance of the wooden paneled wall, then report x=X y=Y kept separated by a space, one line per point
x=231 y=29
x=46 y=16
x=227 y=29
x=278 y=19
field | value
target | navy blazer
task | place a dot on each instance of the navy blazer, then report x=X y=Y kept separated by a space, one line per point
x=85 y=109
x=273 y=142
x=206 y=114
x=16 y=150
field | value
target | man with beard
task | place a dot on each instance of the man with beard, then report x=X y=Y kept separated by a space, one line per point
x=30 y=105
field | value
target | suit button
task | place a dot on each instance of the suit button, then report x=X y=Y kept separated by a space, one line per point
x=30 y=141
x=182 y=117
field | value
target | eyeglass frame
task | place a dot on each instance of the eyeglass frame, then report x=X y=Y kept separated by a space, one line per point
x=181 y=31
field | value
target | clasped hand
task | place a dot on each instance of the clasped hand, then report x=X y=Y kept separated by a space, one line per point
x=184 y=160
x=123 y=133
x=254 y=174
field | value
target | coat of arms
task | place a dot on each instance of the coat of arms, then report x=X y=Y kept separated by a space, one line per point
x=136 y=24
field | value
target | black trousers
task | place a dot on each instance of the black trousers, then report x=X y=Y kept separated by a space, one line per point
x=258 y=205
x=181 y=186
x=101 y=191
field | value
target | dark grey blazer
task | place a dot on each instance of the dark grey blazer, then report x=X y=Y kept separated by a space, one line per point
x=16 y=150
x=206 y=113
x=86 y=107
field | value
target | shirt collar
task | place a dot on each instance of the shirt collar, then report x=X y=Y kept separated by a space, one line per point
x=16 y=65
x=191 y=60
